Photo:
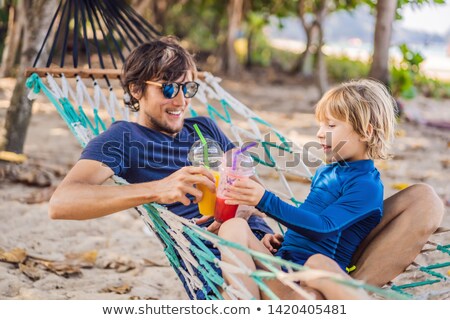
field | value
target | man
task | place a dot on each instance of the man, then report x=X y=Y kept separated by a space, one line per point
x=152 y=155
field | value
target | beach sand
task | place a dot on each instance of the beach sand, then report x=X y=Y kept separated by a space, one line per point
x=113 y=257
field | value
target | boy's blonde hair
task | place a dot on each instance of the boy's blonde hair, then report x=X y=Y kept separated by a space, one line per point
x=360 y=103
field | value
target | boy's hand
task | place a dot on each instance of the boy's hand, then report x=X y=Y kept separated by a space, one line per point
x=272 y=241
x=244 y=191
x=213 y=227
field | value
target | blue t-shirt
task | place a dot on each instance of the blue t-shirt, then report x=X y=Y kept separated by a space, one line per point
x=345 y=203
x=140 y=154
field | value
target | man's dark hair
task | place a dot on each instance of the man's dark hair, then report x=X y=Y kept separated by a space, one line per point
x=163 y=59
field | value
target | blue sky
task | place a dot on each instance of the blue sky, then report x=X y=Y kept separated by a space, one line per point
x=431 y=18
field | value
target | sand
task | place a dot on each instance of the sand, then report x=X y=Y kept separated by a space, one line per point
x=113 y=257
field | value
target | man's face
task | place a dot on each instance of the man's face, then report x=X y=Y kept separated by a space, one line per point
x=163 y=114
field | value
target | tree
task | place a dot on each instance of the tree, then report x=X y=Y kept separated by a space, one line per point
x=156 y=11
x=255 y=23
x=312 y=14
x=38 y=14
x=235 y=13
x=382 y=39
x=387 y=11
x=12 y=42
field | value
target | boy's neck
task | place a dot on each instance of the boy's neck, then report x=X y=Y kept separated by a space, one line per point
x=351 y=159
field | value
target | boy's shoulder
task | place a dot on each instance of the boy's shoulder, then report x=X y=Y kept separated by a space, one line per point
x=368 y=183
x=342 y=177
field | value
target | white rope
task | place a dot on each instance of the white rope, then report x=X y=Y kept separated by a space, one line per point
x=54 y=87
x=68 y=91
x=82 y=93
x=99 y=98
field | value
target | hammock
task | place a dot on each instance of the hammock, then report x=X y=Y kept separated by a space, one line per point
x=114 y=27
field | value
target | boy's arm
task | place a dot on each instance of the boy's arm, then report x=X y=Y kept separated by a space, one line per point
x=357 y=203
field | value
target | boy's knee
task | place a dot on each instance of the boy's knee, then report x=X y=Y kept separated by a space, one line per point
x=424 y=199
x=319 y=261
x=232 y=226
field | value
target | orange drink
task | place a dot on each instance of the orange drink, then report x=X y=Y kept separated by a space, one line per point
x=208 y=203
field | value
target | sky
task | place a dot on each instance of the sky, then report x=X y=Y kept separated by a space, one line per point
x=430 y=18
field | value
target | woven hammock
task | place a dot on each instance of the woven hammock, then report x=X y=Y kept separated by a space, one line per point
x=88 y=98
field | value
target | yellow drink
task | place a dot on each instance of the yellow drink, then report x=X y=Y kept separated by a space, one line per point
x=208 y=203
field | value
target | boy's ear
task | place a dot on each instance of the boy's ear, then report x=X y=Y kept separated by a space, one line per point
x=369 y=133
x=137 y=94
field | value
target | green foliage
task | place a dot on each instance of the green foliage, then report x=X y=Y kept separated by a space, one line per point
x=402 y=83
x=407 y=80
x=404 y=75
x=4 y=10
x=401 y=3
x=414 y=3
x=285 y=60
x=201 y=22
x=343 y=68
x=433 y=88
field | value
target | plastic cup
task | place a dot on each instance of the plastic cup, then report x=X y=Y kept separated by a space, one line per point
x=207 y=205
x=228 y=175
x=196 y=156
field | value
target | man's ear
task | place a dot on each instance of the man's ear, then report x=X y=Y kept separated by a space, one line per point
x=135 y=92
x=369 y=133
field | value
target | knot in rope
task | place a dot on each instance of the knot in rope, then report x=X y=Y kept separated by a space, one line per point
x=34 y=82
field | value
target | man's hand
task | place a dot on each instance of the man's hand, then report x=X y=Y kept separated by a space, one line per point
x=272 y=241
x=244 y=191
x=175 y=187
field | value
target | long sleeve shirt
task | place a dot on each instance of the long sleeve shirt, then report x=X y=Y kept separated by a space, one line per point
x=345 y=203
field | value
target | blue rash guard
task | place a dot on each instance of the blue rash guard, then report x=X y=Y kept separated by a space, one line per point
x=345 y=203
x=140 y=154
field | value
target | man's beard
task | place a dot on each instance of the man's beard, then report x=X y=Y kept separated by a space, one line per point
x=159 y=126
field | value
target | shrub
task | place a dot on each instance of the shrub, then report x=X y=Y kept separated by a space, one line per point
x=343 y=68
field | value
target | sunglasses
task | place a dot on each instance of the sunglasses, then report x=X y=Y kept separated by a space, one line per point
x=170 y=89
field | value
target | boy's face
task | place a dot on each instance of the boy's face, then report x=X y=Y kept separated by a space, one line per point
x=163 y=114
x=340 y=142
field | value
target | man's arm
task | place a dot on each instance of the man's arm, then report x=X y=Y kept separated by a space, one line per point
x=81 y=194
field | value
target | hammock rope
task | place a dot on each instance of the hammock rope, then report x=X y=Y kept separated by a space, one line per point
x=117 y=29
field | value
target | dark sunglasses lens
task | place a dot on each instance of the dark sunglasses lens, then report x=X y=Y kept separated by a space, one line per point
x=170 y=90
x=190 y=89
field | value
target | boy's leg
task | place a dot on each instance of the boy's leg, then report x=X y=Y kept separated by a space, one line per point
x=410 y=217
x=238 y=231
x=329 y=289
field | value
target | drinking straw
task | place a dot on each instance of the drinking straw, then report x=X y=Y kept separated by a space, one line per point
x=243 y=149
x=205 y=146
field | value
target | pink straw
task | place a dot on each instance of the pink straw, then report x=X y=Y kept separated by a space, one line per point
x=250 y=145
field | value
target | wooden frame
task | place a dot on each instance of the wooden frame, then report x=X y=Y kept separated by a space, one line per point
x=82 y=72
x=72 y=72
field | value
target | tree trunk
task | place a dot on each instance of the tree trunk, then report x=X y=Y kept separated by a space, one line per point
x=249 y=62
x=159 y=13
x=321 y=67
x=143 y=7
x=12 y=42
x=39 y=14
x=383 y=31
x=235 y=10
x=307 y=58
